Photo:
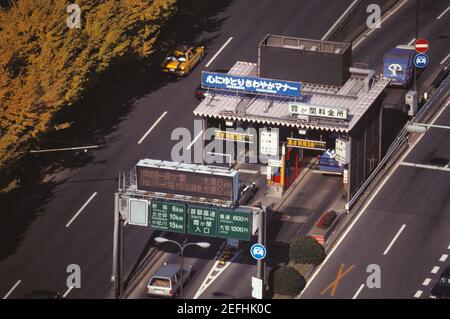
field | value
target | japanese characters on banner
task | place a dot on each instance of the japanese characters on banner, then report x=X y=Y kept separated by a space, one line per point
x=318 y=110
x=250 y=84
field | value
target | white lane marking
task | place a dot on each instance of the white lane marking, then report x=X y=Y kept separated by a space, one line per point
x=248 y=171
x=218 y=52
x=12 y=289
x=388 y=16
x=418 y=294
x=394 y=239
x=81 y=209
x=339 y=19
x=435 y=269
x=411 y=42
x=426 y=282
x=316 y=272
x=445 y=59
x=443 y=257
x=205 y=284
x=358 y=42
x=152 y=127
x=194 y=140
x=358 y=291
x=444 y=12
x=437 y=168
x=67 y=292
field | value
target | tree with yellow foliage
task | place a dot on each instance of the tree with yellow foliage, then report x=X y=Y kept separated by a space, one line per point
x=45 y=65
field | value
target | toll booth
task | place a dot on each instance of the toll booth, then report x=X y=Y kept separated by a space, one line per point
x=279 y=124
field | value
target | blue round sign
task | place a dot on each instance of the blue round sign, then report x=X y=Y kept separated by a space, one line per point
x=258 y=251
x=421 y=60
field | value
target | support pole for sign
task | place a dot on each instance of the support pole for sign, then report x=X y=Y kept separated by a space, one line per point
x=283 y=152
x=117 y=251
x=417 y=37
x=260 y=264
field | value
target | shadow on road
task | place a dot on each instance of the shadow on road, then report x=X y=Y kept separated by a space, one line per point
x=95 y=116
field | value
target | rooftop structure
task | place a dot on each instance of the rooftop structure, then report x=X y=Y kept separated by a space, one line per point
x=353 y=98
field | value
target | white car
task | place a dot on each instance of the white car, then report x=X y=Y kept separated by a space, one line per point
x=166 y=282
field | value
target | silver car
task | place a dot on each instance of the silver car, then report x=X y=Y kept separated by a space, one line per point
x=166 y=282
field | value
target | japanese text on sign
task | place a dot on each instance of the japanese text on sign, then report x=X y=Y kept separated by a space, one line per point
x=202 y=221
x=233 y=136
x=307 y=144
x=250 y=84
x=319 y=111
x=234 y=224
x=167 y=216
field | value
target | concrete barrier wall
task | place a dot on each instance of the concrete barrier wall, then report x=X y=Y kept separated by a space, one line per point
x=355 y=22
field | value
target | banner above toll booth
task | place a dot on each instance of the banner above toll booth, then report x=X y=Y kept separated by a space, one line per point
x=250 y=84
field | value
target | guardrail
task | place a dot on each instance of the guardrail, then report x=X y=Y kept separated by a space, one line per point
x=401 y=138
x=341 y=20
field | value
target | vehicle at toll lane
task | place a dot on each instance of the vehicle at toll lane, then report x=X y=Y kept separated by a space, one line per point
x=183 y=59
x=166 y=282
x=42 y=294
x=200 y=93
x=398 y=66
x=442 y=288
x=328 y=163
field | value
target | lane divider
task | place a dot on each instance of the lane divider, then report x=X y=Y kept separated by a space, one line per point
x=218 y=52
x=81 y=209
x=394 y=239
x=12 y=289
x=152 y=127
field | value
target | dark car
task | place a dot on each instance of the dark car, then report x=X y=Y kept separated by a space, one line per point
x=442 y=288
x=42 y=294
x=200 y=93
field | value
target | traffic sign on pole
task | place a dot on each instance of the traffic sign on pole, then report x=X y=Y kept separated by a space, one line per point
x=421 y=45
x=202 y=220
x=421 y=60
x=257 y=288
x=258 y=251
x=167 y=216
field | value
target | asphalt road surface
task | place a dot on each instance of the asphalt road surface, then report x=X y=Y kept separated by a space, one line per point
x=63 y=213
x=398 y=28
x=404 y=229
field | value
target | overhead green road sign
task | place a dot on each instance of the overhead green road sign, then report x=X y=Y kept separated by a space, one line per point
x=234 y=224
x=167 y=216
x=202 y=221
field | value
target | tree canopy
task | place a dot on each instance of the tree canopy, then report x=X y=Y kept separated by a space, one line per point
x=45 y=65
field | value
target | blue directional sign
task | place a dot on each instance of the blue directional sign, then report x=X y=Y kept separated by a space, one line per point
x=258 y=251
x=250 y=84
x=421 y=60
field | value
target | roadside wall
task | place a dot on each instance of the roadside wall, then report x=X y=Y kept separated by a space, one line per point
x=355 y=23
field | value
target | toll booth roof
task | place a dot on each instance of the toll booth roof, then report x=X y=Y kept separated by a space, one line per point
x=356 y=96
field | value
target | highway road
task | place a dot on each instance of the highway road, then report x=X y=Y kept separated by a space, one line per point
x=397 y=28
x=404 y=229
x=62 y=214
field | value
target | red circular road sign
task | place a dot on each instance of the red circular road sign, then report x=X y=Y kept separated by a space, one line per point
x=421 y=45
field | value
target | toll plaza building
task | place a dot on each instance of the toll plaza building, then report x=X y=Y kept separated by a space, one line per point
x=305 y=100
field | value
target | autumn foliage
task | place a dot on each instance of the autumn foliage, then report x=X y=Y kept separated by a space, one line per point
x=44 y=65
